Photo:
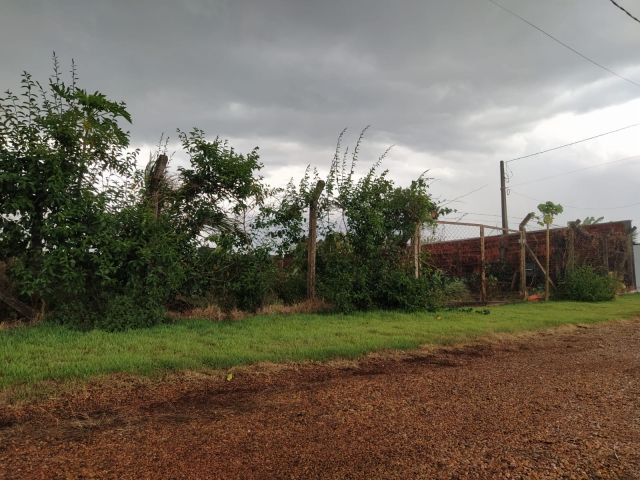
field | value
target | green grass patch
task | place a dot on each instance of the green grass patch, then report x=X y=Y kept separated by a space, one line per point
x=47 y=352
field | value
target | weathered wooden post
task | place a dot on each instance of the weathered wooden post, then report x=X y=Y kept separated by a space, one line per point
x=483 y=268
x=605 y=249
x=572 y=249
x=24 y=310
x=156 y=178
x=630 y=274
x=311 y=246
x=546 y=273
x=416 y=249
x=523 y=255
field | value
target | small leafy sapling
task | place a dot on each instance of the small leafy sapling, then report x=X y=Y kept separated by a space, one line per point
x=548 y=211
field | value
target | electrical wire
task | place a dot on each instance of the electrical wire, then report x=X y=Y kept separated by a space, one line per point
x=565 y=45
x=625 y=11
x=572 y=143
x=573 y=171
x=462 y=196
x=487 y=215
x=579 y=208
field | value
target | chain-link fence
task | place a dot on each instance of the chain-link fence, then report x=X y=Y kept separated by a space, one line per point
x=480 y=262
x=607 y=245
x=484 y=263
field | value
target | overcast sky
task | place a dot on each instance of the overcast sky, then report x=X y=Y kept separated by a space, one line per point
x=455 y=85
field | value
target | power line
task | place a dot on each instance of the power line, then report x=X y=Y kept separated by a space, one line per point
x=625 y=11
x=574 y=171
x=486 y=214
x=579 y=208
x=462 y=196
x=573 y=143
x=564 y=44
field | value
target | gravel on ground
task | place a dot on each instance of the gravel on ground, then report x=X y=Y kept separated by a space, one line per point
x=562 y=403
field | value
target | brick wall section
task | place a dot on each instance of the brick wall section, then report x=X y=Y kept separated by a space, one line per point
x=461 y=258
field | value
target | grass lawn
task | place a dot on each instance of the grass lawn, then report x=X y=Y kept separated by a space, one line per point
x=46 y=352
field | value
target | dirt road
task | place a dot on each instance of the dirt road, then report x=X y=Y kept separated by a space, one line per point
x=563 y=404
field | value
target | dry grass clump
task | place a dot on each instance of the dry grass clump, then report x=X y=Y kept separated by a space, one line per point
x=8 y=323
x=315 y=305
x=216 y=314
x=210 y=312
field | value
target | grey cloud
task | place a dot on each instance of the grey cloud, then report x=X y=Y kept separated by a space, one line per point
x=454 y=80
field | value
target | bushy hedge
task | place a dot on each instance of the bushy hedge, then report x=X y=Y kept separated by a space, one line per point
x=240 y=278
x=352 y=282
x=112 y=313
x=588 y=284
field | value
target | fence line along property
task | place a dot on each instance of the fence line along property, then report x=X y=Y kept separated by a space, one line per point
x=467 y=250
x=500 y=264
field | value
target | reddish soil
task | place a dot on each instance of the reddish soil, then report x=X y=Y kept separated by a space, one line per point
x=561 y=404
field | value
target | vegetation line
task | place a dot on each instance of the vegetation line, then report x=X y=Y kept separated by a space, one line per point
x=47 y=352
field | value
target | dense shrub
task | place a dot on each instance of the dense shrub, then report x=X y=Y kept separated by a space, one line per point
x=235 y=275
x=126 y=313
x=365 y=225
x=291 y=287
x=82 y=227
x=588 y=284
x=112 y=313
x=350 y=282
x=98 y=243
x=254 y=277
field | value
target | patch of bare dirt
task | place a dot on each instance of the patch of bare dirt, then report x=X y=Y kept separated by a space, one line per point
x=561 y=404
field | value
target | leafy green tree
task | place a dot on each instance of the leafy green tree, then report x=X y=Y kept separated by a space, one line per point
x=77 y=226
x=204 y=207
x=103 y=244
x=56 y=145
x=218 y=186
x=548 y=211
x=365 y=224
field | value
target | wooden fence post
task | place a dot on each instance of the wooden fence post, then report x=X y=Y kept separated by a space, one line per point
x=523 y=255
x=631 y=273
x=546 y=276
x=605 y=250
x=540 y=266
x=523 y=264
x=311 y=247
x=483 y=268
x=158 y=173
x=24 y=310
x=572 y=249
x=416 y=249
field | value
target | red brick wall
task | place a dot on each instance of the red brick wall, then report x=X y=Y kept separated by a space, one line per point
x=461 y=258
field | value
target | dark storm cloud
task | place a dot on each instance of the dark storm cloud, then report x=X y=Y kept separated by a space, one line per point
x=454 y=80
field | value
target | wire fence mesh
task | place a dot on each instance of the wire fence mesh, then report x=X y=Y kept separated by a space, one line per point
x=480 y=262
x=465 y=253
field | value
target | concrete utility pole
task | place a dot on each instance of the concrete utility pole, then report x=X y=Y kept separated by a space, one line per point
x=505 y=218
x=503 y=196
